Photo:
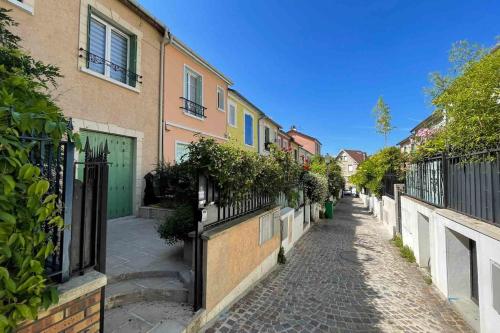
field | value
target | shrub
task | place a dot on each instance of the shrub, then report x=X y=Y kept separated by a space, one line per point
x=371 y=172
x=25 y=206
x=315 y=187
x=178 y=226
x=281 y=256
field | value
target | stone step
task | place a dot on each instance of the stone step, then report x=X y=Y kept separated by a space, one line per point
x=144 y=288
x=148 y=317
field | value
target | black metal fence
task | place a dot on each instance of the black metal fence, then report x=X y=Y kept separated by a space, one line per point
x=469 y=184
x=388 y=184
x=78 y=245
x=89 y=218
x=222 y=208
x=56 y=165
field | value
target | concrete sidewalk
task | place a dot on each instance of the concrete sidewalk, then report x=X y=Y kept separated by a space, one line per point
x=133 y=245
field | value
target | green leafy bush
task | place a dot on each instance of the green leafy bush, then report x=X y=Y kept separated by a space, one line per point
x=178 y=226
x=315 y=187
x=25 y=206
x=370 y=173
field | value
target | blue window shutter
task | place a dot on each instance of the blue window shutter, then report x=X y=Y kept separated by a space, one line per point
x=97 y=44
x=248 y=130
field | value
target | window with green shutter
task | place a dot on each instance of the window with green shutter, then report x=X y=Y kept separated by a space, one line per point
x=111 y=51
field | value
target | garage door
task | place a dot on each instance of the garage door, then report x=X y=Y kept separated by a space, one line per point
x=121 y=159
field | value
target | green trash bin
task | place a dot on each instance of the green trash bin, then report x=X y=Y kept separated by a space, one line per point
x=329 y=209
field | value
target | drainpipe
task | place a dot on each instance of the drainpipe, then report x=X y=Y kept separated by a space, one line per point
x=165 y=41
x=258 y=133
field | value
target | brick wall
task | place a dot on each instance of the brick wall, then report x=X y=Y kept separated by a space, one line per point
x=79 y=315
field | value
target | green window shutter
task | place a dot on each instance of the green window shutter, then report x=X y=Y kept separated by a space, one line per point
x=199 y=93
x=89 y=16
x=133 y=61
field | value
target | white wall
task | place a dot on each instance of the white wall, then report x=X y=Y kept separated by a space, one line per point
x=389 y=215
x=298 y=228
x=447 y=231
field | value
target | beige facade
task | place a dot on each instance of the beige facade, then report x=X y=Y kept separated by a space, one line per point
x=349 y=161
x=236 y=257
x=55 y=32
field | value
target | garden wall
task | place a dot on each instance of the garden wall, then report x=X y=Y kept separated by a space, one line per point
x=78 y=309
x=389 y=215
x=441 y=240
x=235 y=259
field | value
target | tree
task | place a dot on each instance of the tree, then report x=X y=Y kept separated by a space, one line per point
x=383 y=118
x=469 y=98
x=462 y=54
x=371 y=172
x=26 y=207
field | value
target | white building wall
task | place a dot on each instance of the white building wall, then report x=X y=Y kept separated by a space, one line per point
x=442 y=224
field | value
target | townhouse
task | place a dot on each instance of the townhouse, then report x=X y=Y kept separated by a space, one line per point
x=109 y=53
x=268 y=134
x=309 y=146
x=349 y=160
x=128 y=81
x=242 y=120
x=195 y=95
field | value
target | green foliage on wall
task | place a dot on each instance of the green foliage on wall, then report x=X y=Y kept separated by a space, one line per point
x=370 y=173
x=25 y=206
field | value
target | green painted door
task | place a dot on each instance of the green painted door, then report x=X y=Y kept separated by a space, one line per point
x=121 y=159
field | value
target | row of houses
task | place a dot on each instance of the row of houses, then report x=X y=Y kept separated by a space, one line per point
x=130 y=81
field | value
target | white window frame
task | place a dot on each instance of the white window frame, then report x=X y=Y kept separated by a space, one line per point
x=245 y=112
x=107 y=49
x=350 y=168
x=175 y=148
x=220 y=89
x=185 y=90
x=24 y=6
x=230 y=103
x=184 y=87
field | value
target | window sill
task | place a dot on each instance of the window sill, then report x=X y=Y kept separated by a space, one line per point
x=108 y=79
x=193 y=116
x=233 y=126
x=23 y=6
x=250 y=146
x=221 y=110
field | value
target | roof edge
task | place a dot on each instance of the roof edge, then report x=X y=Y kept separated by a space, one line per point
x=186 y=49
x=155 y=22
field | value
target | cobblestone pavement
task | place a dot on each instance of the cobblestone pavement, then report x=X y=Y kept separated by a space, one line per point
x=343 y=276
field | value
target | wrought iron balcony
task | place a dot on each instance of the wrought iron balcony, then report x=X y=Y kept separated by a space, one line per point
x=193 y=108
x=95 y=59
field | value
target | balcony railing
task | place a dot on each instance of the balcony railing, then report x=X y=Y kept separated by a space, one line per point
x=193 y=108
x=95 y=59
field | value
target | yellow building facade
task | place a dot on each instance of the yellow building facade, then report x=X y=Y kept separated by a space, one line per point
x=242 y=121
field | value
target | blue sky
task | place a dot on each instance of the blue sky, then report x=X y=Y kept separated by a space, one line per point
x=321 y=65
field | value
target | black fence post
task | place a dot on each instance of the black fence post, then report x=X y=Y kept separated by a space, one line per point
x=69 y=153
x=444 y=170
x=102 y=222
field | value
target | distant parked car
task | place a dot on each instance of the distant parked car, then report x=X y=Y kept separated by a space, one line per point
x=347 y=192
